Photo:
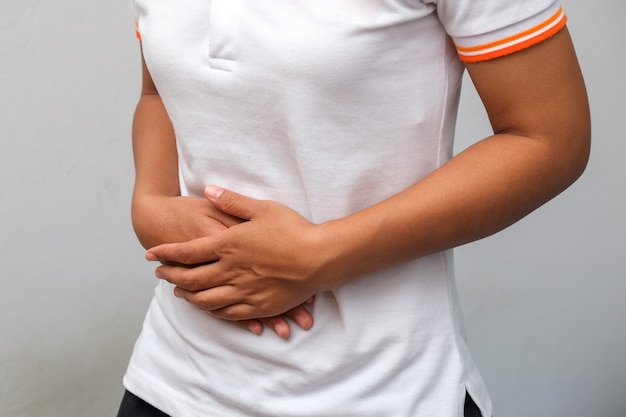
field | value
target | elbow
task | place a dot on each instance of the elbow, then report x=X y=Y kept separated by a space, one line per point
x=581 y=145
x=574 y=154
x=582 y=157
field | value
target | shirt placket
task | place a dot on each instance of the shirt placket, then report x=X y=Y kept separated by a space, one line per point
x=224 y=24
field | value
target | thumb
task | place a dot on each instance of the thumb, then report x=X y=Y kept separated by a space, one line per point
x=232 y=203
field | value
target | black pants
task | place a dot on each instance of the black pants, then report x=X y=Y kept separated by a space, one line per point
x=133 y=406
x=470 y=409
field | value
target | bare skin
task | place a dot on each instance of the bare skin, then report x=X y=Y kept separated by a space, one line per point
x=159 y=213
x=537 y=104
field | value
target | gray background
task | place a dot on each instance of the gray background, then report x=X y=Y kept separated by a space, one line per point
x=543 y=299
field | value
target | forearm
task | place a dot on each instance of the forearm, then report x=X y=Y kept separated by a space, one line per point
x=480 y=192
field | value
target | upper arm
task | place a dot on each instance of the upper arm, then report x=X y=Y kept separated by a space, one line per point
x=154 y=143
x=539 y=93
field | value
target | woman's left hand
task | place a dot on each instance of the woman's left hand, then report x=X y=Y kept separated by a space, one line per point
x=261 y=268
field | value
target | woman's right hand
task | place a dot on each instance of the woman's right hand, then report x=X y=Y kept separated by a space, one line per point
x=164 y=219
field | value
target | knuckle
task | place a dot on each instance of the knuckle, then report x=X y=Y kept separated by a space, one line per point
x=230 y=200
x=185 y=256
x=203 y=304
x=189 y=281
x=267 y=308
x=229 y=313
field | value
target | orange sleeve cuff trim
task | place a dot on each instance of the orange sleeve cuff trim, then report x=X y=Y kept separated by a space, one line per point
x=516 y=42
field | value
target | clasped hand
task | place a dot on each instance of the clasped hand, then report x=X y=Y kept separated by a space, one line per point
x=261 y=268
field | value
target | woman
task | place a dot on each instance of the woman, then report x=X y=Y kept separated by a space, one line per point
x=324 y=132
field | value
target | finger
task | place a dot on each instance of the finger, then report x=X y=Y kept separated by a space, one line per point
x=224 y=219
x=214 y=300
x=278 y=324
x=240 y=311
x=193 y=252
x=232 y=203
x=202 y=277
x=254 y=326
x=301 y=316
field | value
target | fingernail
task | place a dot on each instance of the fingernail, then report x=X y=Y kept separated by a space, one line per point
x=303 y=321
x=151 y=257
x=213 y=191
x=255 y=328
x=281 y=330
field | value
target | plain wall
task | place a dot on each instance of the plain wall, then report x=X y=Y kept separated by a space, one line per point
x=544 y=299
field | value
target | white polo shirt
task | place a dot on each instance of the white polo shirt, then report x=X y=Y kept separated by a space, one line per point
x=328 y=107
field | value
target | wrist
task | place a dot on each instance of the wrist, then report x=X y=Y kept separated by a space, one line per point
x=336 y=263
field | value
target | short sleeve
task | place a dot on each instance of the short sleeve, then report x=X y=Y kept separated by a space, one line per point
x=136 y=16
x=488 y=29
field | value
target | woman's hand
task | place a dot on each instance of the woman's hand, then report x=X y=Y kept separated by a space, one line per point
x=162 y=219
x=261 y=268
